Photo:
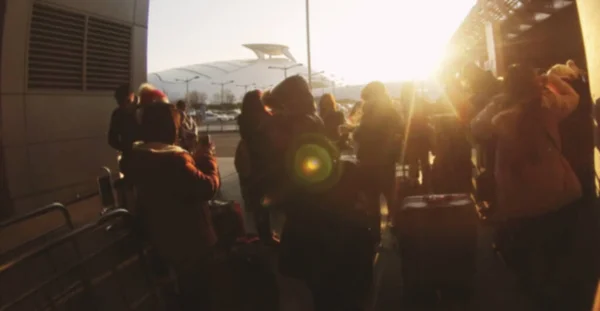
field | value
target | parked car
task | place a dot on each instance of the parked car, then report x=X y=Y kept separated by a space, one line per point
x=211 y=116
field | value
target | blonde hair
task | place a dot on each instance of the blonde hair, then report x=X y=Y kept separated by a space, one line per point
x=149 y=94
x=327 y=103
x=568 y=70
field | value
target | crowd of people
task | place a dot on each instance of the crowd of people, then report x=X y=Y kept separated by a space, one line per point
x=289 y=160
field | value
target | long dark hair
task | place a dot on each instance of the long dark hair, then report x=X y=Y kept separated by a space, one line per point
x=524 y=93
x=327 y=104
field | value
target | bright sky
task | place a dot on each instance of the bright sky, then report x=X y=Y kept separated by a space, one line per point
x=358 y=40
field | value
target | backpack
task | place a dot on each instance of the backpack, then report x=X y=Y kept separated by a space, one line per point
x=247 y=273
x=188 y=132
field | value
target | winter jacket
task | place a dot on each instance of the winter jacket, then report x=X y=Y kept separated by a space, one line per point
x=173 y=189
x=514 y=193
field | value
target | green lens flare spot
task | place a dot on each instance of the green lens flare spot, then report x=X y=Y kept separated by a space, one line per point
x=312 y=164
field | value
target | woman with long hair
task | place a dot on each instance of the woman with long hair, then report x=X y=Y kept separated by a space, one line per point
x=249 y=161
x=332 y=117
x=534 y=183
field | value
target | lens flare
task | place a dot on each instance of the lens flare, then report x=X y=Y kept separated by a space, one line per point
x=311 y=166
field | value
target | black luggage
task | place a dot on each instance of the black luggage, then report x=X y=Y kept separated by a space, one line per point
x=228 y=222
x=437 y=237
x=245 y=278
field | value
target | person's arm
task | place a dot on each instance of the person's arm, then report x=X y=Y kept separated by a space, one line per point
x=114 y=137
x=201 y=173
x=560 y=97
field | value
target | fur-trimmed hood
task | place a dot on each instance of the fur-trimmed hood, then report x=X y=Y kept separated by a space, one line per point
x=156 y=147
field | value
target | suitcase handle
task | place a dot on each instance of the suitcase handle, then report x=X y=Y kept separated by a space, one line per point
x=436 y=198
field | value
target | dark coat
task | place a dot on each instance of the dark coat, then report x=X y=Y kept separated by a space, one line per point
x=123 y=130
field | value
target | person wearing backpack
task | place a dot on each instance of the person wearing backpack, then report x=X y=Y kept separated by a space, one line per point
x=188 y=134
x=534 y=182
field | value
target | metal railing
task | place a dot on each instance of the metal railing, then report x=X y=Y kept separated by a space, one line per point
x=43 y=237
x=218 y=127
x=98 y=279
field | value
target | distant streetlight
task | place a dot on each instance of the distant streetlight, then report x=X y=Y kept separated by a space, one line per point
x=187 y=86
x=285 y=69
x=314 y=74
x=245 y=86
x=222 y=84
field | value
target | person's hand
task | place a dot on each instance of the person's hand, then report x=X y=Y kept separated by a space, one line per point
x=203 y=149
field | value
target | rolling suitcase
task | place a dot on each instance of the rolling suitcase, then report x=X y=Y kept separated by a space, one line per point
x=437 y=238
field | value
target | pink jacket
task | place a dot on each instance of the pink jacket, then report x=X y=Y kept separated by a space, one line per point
x=522 y=191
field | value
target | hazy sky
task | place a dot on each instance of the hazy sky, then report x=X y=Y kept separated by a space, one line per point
x=358 y=40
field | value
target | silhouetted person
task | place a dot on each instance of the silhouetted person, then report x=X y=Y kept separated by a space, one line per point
x=123 y=130
x=379 y=142
x=332 y=117
x=418 y=135
x=248 y=161
x=483 y=87
x=535 y=185
x=188 y=135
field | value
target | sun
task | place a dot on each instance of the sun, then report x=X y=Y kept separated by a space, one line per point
x=396 y=63
x=394 y=40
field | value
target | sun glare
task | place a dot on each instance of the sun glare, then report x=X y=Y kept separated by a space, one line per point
x=396 y=40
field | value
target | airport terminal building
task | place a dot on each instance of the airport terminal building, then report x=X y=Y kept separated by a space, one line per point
x=238 y=76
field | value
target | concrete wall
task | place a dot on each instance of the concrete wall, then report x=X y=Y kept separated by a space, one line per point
x=55 y=141
x=589 y=10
